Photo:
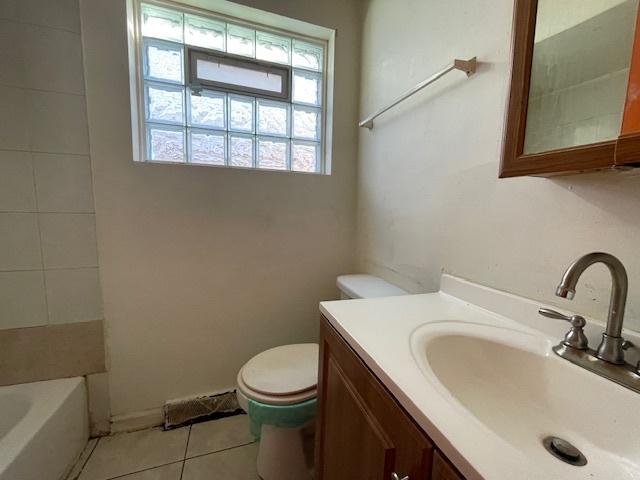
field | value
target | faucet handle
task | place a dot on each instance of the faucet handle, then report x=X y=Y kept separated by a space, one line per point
x=575 y=338
x=628 y=345
x=575 y=320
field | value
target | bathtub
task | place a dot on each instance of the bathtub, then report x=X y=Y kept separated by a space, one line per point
x=43 y=428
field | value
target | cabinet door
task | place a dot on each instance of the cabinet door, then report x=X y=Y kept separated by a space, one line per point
x=363 y=434
x=443 y=470
x=356 y=446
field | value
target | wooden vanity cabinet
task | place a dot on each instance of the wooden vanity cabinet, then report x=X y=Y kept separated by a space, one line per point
x=362 y=432
x=442 y=469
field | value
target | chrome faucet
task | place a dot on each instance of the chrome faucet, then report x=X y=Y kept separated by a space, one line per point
x=608 y=360
x=610 y=349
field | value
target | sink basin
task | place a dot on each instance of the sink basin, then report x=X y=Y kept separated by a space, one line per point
x=511 y=384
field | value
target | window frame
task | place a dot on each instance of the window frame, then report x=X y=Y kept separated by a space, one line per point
x=293 y=29
x=193 y=54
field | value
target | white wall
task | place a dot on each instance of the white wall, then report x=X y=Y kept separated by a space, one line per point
x=204 y=267
x=429 y=197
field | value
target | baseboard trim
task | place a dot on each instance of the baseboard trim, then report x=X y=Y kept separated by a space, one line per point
x=153 y=417
x=132 y=422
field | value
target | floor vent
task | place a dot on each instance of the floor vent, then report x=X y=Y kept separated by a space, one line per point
x=192 y=410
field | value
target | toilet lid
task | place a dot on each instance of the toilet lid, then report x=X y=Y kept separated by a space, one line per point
x=284 y=370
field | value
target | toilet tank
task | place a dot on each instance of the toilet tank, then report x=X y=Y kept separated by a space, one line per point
x=366 y=286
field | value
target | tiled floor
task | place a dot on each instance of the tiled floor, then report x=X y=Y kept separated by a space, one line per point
x=219 y=449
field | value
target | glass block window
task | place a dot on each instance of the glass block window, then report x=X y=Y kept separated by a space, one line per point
x=225 y=93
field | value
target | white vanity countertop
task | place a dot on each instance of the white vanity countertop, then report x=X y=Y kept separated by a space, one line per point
x=379 y=330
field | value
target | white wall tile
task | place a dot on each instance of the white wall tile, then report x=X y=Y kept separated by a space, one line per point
x=62 y=14
x=22 y=299
x=68 y=240
x=58 y=123
x=12 y=71
x=9 y=9
x=609 y=125
x=73 y=295
x=16 y=182
x=63 y=182
x=19 y=242
x=14 y=118
x=52 y=59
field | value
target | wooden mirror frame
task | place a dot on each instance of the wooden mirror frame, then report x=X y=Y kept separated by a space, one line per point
x=621 y=152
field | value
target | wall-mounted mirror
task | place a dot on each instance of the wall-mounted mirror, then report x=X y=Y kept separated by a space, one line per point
x=572 y=61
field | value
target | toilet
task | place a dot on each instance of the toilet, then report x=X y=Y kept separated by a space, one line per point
x=277 y=388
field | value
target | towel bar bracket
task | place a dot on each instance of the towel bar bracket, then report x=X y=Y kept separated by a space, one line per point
x=467 y=66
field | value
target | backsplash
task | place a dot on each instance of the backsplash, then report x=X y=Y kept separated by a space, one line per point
x=50 y=299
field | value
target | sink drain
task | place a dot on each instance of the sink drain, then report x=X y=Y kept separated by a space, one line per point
x=563 y=450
